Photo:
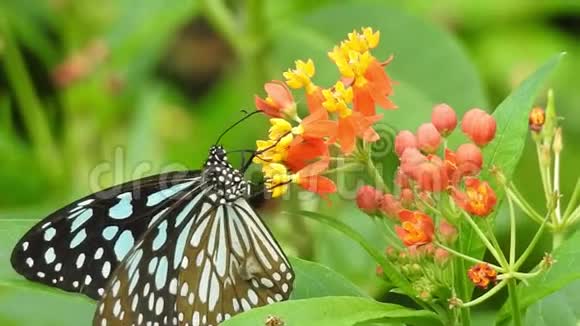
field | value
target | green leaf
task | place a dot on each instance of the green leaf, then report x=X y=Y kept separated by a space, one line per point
x=333 y=311
x=389 y=269
x=512 y=120
x=561 y=308
x=315 y=280
x=512 y=131
x=565 y=271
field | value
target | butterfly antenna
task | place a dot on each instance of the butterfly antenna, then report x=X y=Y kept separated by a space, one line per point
x=247 y=115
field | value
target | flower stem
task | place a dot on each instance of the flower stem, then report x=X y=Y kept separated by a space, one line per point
x=469 y=258
x=557 y=187
x=533 y=243
x=484 y=239
x=543 y=174
x=512 y=257
x=375 y=175
x=514 y=301
x=557 y=239
x=463 y=291
x=486 y=295
x=515 y=195
x=572 y=201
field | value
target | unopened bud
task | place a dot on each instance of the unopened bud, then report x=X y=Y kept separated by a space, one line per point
x=557 y=145
x=551 y=118
x=428 y=138
x=444 y=119
x=447 y=232
x=537 y=119
x=404 y=139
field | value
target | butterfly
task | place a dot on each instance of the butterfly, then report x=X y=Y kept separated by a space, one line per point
x=179 y=248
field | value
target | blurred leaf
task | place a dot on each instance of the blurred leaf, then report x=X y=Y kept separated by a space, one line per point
x=561 y=308
x=390 y=271
x=512 y=131
x=315 y=280
x=565 y=271
x=141 y=33
x=333 y=311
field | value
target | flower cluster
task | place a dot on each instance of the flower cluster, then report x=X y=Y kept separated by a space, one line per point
x=436 y=187
x=298 y=148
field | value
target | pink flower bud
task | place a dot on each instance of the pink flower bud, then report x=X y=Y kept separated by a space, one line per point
x=441 y=256
x=368 y=199
x=444 y=118
x=406 y=197
x=469 y=159
x=390 y=206
x=401 y=179
x=447 y=231
x=431 y=175
x=410 y=159
x=428 y=138
x=405 y=139
x=479 y=126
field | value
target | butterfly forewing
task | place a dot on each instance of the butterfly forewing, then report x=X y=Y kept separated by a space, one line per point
x=78 y=247
x=219 y=262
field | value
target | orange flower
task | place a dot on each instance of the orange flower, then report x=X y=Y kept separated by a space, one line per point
x=373 y=89
x=279 y=102
x=478 y=199
x=416 y=228
x=353 y=126
x=303 y=152
x=482 y=274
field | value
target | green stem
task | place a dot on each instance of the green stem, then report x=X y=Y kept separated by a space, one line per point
x=469 y=258
x=557 y=239
x=349 y=167
x=484 y=239
x=486 y=295
x=374 y=174
x=573 y=200
x=514 y=301
x=532 y=243
x=542 y=170
x=512 y=254
x=463 y=290
x=523 y=204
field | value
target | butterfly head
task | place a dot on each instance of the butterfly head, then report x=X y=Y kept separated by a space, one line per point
x=228 y=182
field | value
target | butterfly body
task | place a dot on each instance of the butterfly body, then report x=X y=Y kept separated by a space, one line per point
x=182 y=248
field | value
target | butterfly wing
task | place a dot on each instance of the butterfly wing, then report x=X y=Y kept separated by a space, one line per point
x=201 y=269
x=78 y=247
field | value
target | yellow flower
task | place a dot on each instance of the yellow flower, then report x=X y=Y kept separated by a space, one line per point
x=273 y=150
x=337 y=99
x=362 y=42
x=277 y=178
x=279 y=128
x=300 y=77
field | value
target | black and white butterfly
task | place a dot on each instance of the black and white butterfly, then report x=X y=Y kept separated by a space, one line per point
x=180 y=248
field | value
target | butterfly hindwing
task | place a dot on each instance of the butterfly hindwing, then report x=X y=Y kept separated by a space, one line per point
x=77 y=248
x=201 y=264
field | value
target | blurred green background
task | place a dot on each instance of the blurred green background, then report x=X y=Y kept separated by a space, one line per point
x=92 y=94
